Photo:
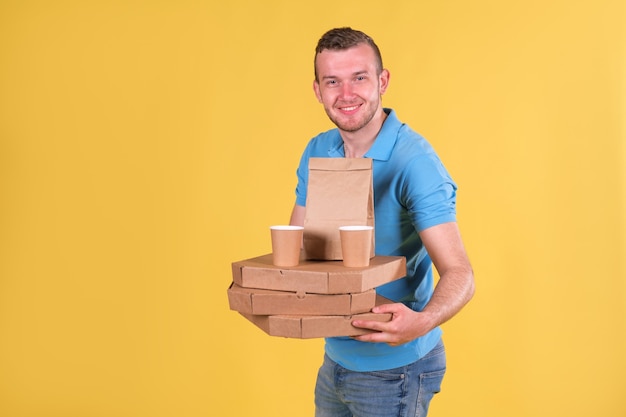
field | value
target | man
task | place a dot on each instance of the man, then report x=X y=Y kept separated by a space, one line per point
x=396 y=370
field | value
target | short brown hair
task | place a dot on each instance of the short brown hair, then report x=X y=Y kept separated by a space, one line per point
x=345 y=38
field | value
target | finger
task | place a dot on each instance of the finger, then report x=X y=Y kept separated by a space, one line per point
x=388 y=308
x=375 y=337
x=370 y=324
x=378 y=337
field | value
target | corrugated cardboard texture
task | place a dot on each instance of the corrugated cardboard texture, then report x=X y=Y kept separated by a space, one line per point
x=307 y=327
x=259 y=301
x=339 y=193
x=318 y=277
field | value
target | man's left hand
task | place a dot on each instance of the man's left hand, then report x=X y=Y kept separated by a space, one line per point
x=404 y=326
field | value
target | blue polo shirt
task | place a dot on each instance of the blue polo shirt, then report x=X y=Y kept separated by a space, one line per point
x=412 y=192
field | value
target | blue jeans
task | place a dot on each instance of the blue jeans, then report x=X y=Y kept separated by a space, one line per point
x=401 y=392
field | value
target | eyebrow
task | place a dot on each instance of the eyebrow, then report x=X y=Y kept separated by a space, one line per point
x=354 y=74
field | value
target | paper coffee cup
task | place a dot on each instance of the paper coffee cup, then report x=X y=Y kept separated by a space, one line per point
x=356 y=245
x=286 y=244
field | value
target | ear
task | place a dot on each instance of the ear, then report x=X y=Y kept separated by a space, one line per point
x=316 y=89
x=383 y=79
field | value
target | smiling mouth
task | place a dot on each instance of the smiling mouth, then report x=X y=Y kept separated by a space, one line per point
x=349 y=109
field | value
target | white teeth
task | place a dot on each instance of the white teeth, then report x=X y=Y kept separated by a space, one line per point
x=349 y=108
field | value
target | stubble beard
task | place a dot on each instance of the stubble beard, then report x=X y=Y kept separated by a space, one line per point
x=352 y=125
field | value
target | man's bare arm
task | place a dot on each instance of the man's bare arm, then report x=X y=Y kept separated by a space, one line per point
x=453 y=291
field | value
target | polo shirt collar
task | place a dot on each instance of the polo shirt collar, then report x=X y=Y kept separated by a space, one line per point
x=382 y=146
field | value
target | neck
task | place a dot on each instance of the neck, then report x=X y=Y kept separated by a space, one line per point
x=356 y=144
x=355 y=152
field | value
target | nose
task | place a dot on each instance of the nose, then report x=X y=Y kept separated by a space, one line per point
x=347 y=91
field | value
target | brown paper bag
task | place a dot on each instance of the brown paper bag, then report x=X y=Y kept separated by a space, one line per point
x=340 y=193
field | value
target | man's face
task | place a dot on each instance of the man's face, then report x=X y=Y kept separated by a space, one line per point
x=349 y=87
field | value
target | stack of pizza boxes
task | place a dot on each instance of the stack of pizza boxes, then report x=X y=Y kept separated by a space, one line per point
x=312 y=299
x=319 y=297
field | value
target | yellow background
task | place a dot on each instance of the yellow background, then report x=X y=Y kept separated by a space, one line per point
x=146 y=145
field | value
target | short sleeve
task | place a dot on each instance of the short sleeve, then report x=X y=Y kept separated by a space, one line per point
x=429 y=192
x=303 y=178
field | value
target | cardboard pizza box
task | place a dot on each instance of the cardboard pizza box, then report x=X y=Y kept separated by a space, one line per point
x=317 y=277
x=269 y=302
x=307 y=327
